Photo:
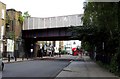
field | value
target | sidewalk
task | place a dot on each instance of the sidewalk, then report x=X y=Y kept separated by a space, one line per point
x=63 y=57
x=18 y=60
x=86 y=68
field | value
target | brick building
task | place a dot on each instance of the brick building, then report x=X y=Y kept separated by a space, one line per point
x=13 y=23
x=13 y=27
x=2 y=26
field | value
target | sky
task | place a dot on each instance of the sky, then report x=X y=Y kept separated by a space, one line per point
x=46 y=8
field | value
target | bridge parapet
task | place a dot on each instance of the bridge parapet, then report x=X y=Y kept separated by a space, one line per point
x=52 y=22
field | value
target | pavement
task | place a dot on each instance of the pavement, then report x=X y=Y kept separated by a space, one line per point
x=0 y=74
x=63 y=58
x=78 y=67
x=13 y=60
x=85 y=69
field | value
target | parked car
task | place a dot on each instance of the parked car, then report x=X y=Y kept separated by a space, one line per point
x=1 y=63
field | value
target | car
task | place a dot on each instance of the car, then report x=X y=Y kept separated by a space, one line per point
x=1 y=63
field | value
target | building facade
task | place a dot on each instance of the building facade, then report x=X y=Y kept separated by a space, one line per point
x=2 y=26
x=13 y=23
x=13 y=30
x=69 y=45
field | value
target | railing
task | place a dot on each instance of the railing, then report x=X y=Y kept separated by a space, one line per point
x=52 y=22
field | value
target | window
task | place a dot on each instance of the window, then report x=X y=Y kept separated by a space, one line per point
x=3 y=14
x=0 y=55
x=2 y=32
x=12 y=24
x=0 y=35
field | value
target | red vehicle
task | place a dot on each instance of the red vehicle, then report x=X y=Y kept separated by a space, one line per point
x=75 y=52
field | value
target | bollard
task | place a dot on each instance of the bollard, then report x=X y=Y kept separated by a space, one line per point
x=15 y=58
x=59 y=54
x=27 y=57
x=8 y=58
x=22 y=57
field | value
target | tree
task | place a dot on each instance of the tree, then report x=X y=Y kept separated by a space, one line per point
x=21 y=19
x=101 y=30
x=26 y=14
x=103 y=19
x=10 y=35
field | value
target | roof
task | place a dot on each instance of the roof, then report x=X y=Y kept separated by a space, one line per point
x=2 y=3
x=11 y=10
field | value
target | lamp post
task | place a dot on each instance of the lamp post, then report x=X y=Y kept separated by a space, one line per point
x=19 y=47
x=16 y=50
x=103 y=45
x=4 y=44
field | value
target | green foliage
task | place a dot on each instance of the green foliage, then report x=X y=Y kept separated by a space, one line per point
x=114 y=63
x=26 y=14
x=63 y=52
x=11 y=35
x=102 y=19
x=86 y=46
x=21 y=19
x=101 y=24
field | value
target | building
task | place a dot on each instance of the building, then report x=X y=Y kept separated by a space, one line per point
x=13 y=23
x=71 y=44
x=13 y=30
x=2 y=26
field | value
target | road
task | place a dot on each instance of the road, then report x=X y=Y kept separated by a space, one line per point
x=0 y=74
x=60 y=68
x=36 y=68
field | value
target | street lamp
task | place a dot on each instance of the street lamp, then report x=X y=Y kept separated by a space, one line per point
x=103 y=45
x=4 y=41
x=19 y=45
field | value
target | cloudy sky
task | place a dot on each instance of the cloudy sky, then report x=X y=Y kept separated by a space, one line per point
x=46 y=8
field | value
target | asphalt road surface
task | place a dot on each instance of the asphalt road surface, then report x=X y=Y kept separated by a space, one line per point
x=0 y=74
x=36 y=68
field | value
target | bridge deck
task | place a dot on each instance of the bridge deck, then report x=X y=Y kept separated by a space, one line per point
x=52 y=22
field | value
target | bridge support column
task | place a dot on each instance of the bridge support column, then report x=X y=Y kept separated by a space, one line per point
x=36 y=47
